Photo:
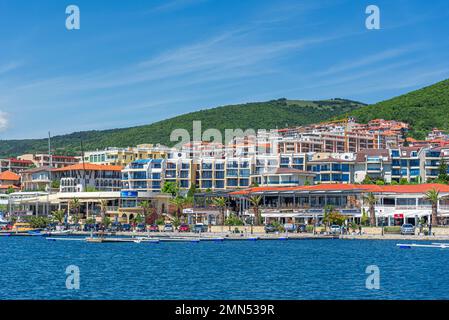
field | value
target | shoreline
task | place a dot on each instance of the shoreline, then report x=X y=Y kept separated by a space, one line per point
x=235 y=237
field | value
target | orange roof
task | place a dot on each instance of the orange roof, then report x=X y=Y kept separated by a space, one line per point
x=8 y=175
x=90 y=166
x=412 y=188
x=8 y=186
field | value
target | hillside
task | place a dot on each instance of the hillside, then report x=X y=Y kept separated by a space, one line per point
x=423 y=109
x=258 y=115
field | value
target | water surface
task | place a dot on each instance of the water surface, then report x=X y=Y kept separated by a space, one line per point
x=34 y=268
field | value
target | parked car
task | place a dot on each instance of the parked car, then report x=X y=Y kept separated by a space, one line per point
x=200 y=227
x=270 y=228
x=289 y=227
x=335 y=229
x=153 y=228
x=140 y=227
x=126 y=227
x=184 y=228
x=407 y=228
x=168 y=228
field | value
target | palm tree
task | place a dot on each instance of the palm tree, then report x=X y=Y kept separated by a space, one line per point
x=220 y=203
x=255 y=202
x=370 y=199
x=75 y=208
x=103 y=208
x=58 y=215
x=146 y=206
x=433 y=196
x=179 y=203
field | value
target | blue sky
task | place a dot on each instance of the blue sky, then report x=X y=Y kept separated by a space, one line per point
x=136 y=62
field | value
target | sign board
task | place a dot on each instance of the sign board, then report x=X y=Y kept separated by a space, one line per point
x=128 y=194
x=398 y=216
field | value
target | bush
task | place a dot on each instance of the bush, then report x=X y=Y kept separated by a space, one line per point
x=233 y=220
x=309 y=228
x=392 y=229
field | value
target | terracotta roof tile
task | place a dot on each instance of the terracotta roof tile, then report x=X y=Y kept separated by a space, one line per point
x=8 y=175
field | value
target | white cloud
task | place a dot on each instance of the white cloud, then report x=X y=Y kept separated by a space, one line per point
x=3 y=121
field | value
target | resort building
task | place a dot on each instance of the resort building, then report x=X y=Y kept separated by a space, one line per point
x=374 y=164
x=121 y=206
x=396 y=204
x=45 y=160
x=124 y=156
x=82 y=177
x=332 y=170
x=15 y=165
x=144 y=175
x=406 y=163
x=36 y=179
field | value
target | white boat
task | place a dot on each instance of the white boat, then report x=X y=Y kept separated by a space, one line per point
x=414 y=245
x=59 y=232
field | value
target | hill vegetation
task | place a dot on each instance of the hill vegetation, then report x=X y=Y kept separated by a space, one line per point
x=258 y=115
x=423 y=109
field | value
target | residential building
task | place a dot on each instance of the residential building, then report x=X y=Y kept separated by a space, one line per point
x=45 y=160
x=374 y=164
x=36 y=179
x=332 y=170
x=406 y=163
x=15 y=165
x=124 y=156
x=82 y=177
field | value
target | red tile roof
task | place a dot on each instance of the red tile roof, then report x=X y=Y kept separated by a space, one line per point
x=8 y=186
x=413 y=188
x=9 y=176
x=90 y=166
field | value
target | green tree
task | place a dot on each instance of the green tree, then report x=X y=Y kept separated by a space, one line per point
x=179 y=203
x=75 y=206
x=10 y=190
x=38 y=222
x=255 y=203
x=370 y=200
x=58 y=215
x=433 y=196
x=192 y=191
x=171 y=188
x=220 y=203
x=233 y=220
x=364 y=220
x=103 y=208
x=146 y=207
x=442 y=171
x=106 y=221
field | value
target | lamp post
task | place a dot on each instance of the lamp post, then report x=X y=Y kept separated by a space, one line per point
x=383 y=222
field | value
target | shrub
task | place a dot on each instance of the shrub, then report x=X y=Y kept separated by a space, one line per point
x=392 y=229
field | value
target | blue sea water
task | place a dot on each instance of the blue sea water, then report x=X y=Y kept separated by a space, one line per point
x=34 y=268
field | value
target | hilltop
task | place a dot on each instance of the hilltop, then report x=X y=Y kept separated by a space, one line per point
x=423 y=109
x=257 y=115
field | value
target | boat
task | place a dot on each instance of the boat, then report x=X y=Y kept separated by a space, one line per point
x=22 y=227
x=415 y=245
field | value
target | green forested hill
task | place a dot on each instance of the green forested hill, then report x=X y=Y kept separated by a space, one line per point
x=423 y=109
x=258 y=115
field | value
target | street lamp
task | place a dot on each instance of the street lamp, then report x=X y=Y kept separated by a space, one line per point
x=383 y=222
